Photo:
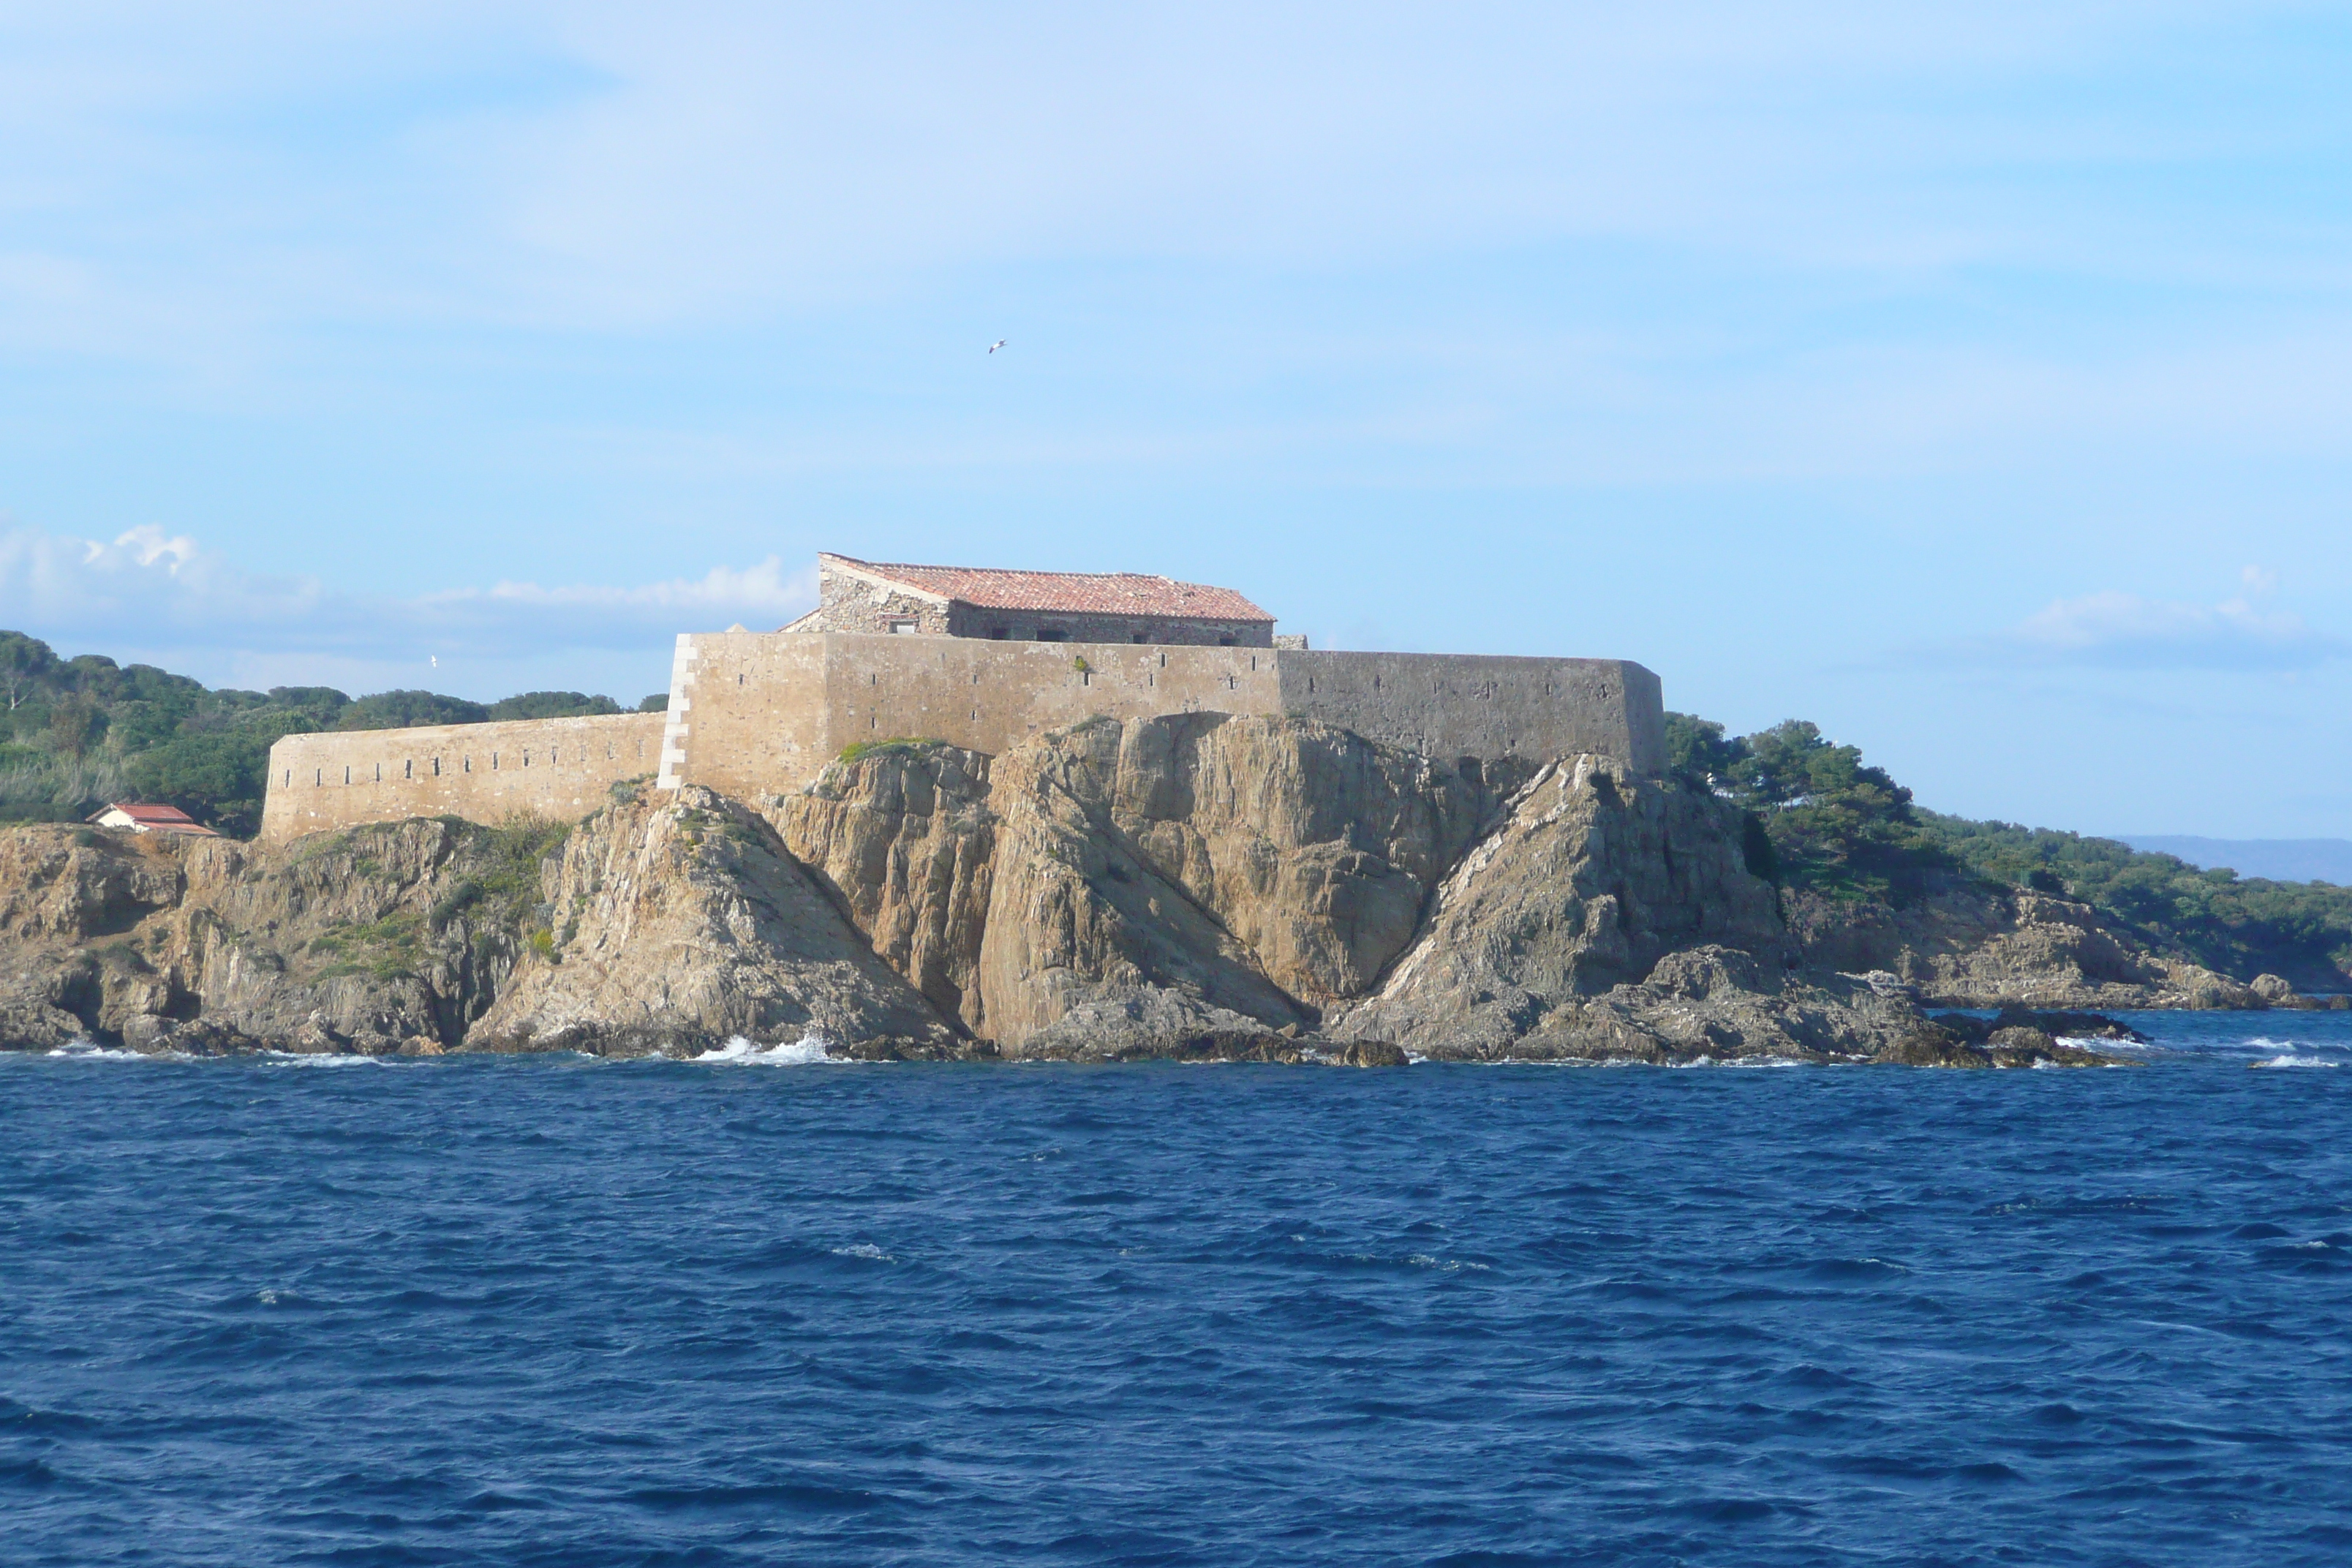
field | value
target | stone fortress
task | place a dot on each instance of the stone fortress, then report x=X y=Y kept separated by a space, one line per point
x=979 y=658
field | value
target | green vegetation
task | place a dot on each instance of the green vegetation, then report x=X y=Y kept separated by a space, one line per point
x=553 y=705
x=406 y=710
x=383 y=949
x=79 y=732
x=1820 y=819
x=657 y=703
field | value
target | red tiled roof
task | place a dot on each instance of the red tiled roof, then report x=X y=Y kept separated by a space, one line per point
x=1071 y=593
x=164 y=816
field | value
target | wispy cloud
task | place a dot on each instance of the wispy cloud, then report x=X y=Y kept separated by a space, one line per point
x=2116 y=630
x=164 y=592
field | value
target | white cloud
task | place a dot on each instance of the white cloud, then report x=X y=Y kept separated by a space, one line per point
x=2124 y=631
x=168 y=597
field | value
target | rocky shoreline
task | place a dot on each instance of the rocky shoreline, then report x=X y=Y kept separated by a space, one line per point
x=1196 y=887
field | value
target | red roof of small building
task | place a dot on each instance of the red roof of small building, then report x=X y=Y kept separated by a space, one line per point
x=1070 y=592
x=170 y=818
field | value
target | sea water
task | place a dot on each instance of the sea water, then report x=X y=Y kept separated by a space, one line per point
x=765 y=1308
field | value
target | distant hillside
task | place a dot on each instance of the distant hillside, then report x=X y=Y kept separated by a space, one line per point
x=2279 y=860
x=1822 y=821
x=78 y=733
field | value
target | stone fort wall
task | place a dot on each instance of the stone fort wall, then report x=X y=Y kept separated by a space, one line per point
x=760 y=713
x=558 y=768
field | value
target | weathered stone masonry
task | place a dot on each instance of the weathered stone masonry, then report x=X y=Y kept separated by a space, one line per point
x=557 y=768
x=754 y=714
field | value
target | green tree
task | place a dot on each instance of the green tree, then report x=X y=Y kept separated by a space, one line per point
x=77 y=724
x=552 y=705
x=24 y=663
x=218 y=779
x=401 y=709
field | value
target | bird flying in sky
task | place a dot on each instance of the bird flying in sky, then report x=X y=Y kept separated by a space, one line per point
x=998 y=344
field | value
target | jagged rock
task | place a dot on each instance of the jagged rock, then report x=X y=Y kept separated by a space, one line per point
x=1196 y=887
x=74 y=884
x=1593 y=880
x=327 y=943
x=679 y=921
x=187 y=1036
x=2058 y=1025
x=1116 y=890
x=2276 y=991
x=1160 y=881
x=1966 y=946
x=903 y=840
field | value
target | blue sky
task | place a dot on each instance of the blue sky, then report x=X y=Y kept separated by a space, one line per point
x=1974 y=380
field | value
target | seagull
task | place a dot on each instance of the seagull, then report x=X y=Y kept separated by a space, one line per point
x=436 y=658
x=998 y=344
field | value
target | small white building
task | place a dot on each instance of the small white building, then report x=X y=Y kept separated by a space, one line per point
x=142 y=818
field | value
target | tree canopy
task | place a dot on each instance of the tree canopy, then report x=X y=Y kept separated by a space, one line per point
x=1837 y=826
x=75 y=730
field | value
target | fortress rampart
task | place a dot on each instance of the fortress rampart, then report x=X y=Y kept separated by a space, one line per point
x=559 y=768
x=760 y=713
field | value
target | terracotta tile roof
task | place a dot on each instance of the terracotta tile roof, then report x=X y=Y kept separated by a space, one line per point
x=1071 y=593
x=165 y=819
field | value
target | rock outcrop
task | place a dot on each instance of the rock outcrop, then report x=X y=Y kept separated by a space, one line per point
x=387 y=938
x=1969 y=946
x=1589 y=883
x=1195 y=886
x=677 y=922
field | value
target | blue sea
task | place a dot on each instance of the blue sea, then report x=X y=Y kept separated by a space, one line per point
x=764 y=1309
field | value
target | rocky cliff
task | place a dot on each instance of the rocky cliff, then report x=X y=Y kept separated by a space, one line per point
x=1191 y=886
x=1968 y=946
x=388 y=938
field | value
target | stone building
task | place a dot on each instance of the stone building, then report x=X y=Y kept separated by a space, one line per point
x=964 y=657
x=866 y=596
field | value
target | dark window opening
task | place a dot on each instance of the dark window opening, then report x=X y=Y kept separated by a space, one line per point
x=998 y=632
x=1143 y=637
x=1051 y=633
x=1224 y=642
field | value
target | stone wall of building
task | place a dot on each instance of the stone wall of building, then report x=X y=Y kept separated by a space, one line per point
x=1470 y=705
x=1063 y=627
x=853 y=606
x=557 y=768
x=849 y=603
x=760 y=713
x=754 y=714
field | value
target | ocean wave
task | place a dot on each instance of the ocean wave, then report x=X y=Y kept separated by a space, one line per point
x=808 y=1050
x=329 y=1059
x=2294 y=1061
x=91 y=1051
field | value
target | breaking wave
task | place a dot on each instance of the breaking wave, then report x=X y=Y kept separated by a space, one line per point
x=807 y=1051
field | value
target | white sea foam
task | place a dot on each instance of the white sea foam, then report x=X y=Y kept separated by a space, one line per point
x=809 y=1049
x=326 y=1059
x=863 y=1249
x=1443 y=1264
x=91 y=1051
x=2294 y=1061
